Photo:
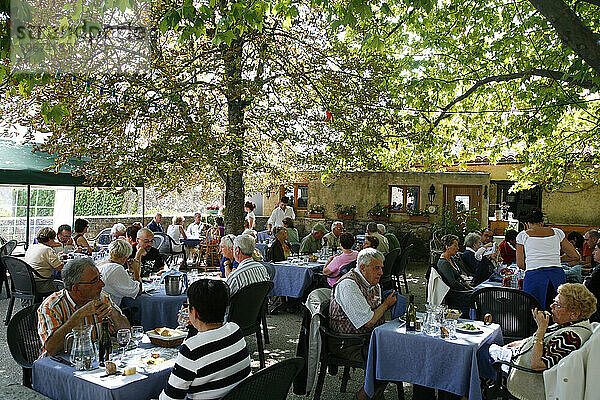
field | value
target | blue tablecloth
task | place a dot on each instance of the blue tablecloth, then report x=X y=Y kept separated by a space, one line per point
x=262 y=236
x=56 y=380
x=261 y=247
x=292 y=280
x=156 y=309
x=451 y=365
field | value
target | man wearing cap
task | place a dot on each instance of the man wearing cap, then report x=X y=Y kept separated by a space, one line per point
x=313 y=242
x=279 y=213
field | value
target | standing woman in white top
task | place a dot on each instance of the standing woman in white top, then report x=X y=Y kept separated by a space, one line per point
x=176 y=232
x=249 y=207
x=538 y=253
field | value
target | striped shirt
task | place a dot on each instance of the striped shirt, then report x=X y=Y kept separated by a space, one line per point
x=59 y=307
x=209 y=364
x=249 y=271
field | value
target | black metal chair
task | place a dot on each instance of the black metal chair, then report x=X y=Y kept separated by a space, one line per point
x=22 y=278
x=509 y=307
x=400 y=269
x=104 y=237
x=330 y=360
x=263 y=320
x=23 y=340
x=403 y=241
x=271 y=383
x=246 y=309
x=6 y=250
x=390 y=260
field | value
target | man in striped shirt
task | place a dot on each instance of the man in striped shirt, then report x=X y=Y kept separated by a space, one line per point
x=213 y=361
x=82 y=302
x=248 y=270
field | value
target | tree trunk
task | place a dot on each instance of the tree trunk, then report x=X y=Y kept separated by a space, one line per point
x=571 y=30
x=234 y=185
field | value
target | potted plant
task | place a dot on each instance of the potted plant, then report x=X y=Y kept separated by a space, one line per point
x=417 y=215
x=379 y=212
x=316 y=211
x=345 y=212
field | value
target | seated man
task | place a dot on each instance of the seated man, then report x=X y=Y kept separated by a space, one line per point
x=248 y=270
x=508 y=247
x=214 y=360
x=332 y=239
x=155 y=225
x=118 y=283
x=392 y=239
x=64 y=236
x=43 y=259
x=228 y=263
x=152 y=261
x=81 y=302
x=591 y=237
x=313 y=243
x=372 y=230
x=193 y=230
x=356 y=307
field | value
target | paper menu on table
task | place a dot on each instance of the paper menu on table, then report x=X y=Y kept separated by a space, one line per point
x=109 y=382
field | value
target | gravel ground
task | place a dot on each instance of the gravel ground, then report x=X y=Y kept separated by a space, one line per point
x=283 y=331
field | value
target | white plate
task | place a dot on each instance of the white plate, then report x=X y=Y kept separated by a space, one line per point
x=461 y=328
x=176 y=335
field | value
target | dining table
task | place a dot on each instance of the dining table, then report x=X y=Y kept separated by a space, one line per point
x=155 y=309
x=60 y=381
x=452 y=365
x=294 y=276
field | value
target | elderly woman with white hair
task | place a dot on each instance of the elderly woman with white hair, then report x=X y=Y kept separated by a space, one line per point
x=118 y=231
x=118 y=283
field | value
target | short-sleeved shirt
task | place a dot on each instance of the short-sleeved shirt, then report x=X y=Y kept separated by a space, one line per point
x=332 y=240
x=117 y=282
x=353 y=303
x=193 y=230
x=43 y=259
x=587 y=252
x=56 y=309
x=247 y=272
x=338 y=263
x=277 y=216
x=541 y=252
x=310 y=245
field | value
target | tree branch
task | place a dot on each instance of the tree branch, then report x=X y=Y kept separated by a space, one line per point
x=594 y=2
x=571 y=30
x=556 y=75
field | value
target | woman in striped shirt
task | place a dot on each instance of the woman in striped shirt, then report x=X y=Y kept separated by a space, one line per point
x=213 y=361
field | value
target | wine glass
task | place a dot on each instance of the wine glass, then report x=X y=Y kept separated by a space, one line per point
x=123 y=338
x=137 y=333
x=183 y=318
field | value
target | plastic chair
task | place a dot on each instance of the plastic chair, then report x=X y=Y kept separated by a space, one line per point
x=333 y=361
x=390 y=259
x=246 y=309
x=403 y=241
x=271 y=383
x=400 y=269
x=6 y=250
x=165 y=248
x=23 y=340
x=104 y=237
x=510 y=308
x=22 y=282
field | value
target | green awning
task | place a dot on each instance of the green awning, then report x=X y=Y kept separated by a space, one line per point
x=20 y=165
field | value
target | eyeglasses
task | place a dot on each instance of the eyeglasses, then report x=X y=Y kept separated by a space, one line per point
x=92 y=282
x=145 y=240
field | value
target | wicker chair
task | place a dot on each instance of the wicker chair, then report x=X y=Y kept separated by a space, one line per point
x=209 y=252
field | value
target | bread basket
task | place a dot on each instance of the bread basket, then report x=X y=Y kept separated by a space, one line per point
x=166 y=341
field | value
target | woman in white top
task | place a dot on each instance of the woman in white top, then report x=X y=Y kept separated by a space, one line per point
x=117 y=282
x=249 y=207
x=538 y=253
x=177 y=232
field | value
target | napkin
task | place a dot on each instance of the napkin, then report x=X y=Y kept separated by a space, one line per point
x=111 y=381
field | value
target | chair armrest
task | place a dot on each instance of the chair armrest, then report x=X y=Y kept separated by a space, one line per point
x=497 y=365
x=364 y=337
x=37 y=275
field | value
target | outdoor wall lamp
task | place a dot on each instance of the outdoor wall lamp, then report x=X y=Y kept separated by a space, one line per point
x=431 y=194
x=485 y=192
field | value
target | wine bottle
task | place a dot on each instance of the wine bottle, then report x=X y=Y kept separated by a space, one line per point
x=105 y=343
x=411 y=315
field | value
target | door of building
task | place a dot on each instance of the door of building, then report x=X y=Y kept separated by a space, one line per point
x=463 y=197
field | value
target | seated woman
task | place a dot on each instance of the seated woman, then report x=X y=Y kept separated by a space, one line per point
x=176 y=231
x=118 y=231
x=280 y=249
x=460 y=292
x=81 y=227
x=117 y=282
x=508 y=247
x=214 y=360
x=293 y=237
x=577 y=240
x=220 y=224
x=571 y=309
x=370 y=242
x=336 y=263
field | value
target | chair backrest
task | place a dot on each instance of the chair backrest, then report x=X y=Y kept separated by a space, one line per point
x=8 y=247
x=403 y=241
x=399 y=267
x=157 y=242
x=165 y=245
x=511 y=308
x=104 y=237
x=388 y=264
x=271 y=383
x=22 y=336
x=21 y=275
x=295 y=247
x=213 y=236
x=246 y=305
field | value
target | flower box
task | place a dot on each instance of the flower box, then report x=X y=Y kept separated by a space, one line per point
x=316 y=215
x=381 y=218
x=418 y=218
x=345 y=217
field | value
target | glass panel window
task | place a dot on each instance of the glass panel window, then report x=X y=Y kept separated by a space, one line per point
x=462 y=203
x=297 y=195
x=302 y=196
x=403 y=198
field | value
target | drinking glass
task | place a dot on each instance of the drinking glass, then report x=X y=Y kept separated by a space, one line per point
x=137 y=333
x=183 y=318
x=450 y=325
x=123 y=338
